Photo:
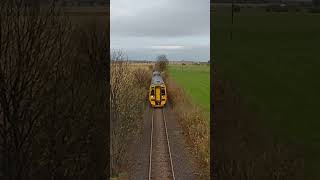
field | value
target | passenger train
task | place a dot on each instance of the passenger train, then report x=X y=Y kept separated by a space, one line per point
x=157 y=91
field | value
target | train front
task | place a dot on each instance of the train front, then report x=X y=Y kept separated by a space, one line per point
x=157 y=91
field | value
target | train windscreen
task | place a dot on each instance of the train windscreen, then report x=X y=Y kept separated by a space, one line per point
x=163 y=91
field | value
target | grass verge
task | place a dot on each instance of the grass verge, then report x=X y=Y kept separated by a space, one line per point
x=195 y=127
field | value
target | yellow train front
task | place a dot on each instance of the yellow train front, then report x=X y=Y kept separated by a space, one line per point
x=157 y=91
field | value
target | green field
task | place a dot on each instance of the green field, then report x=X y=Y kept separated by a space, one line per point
x=273 y=61
x=195 y=80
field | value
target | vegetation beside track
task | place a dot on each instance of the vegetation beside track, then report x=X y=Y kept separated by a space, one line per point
x=53 y=94
x=272 y=62
x=128 y=103
x=194 y=125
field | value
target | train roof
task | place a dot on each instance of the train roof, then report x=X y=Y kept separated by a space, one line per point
x=156 y=73
x=156 y=79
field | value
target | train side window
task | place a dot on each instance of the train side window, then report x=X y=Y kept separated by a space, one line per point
x=152 y=92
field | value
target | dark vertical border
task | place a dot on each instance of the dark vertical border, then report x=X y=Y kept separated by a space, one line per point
x=107 y=106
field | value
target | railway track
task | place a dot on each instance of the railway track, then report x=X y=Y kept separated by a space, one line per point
x=160 y=161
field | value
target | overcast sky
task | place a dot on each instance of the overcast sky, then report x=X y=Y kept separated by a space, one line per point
x=146 y=28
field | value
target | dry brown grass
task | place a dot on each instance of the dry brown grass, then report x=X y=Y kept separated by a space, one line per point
x=195 y=127
x=144 y=66
x=128 y=91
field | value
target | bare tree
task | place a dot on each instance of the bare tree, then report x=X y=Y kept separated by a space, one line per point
x=162 y=63
x=31 y=54
x=52 y=95
x=96 y=52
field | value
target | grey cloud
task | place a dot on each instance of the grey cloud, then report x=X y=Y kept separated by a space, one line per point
x=175 y=18
x=139 y=25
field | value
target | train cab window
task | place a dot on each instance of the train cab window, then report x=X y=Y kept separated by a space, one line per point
x=163 y=92
x=152 y=92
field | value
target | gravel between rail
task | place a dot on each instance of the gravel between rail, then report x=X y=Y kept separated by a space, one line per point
x=181 y=160
x=160 y=155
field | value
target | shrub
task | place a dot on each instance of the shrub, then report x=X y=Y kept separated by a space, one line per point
x=127 y=96
x=142 y=77
x=194 y=125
